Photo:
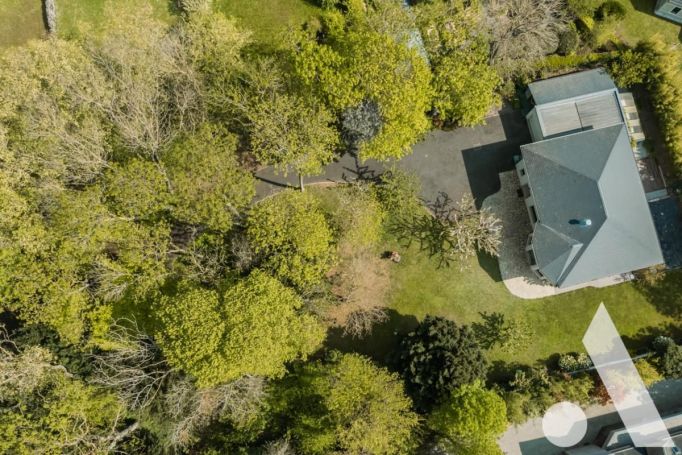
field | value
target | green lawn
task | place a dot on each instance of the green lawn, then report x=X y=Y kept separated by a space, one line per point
x=641 y=23
x=71 y=13
x=268 y=19
x=20 y=21
x=559 y=323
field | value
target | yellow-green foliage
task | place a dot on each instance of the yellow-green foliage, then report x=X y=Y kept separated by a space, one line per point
x=354 y=407
x=648 y=373
x=356 y=63
x=471 y=417
x=255 y=328
x=289 y=231
x=657 y=67
x=208 y=185
x=464 y=83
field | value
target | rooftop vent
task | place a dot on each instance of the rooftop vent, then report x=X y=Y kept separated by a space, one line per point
x=586 y=222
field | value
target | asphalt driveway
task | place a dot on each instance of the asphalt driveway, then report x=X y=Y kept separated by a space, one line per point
x=468 y=160
x=459 y=161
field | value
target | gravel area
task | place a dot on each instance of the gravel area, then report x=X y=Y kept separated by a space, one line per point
x=514 y=266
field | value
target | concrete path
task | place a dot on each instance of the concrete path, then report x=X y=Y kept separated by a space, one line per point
x=528 y=439
x=513 y=259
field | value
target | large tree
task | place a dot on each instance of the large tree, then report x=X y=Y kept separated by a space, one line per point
x=354 y=64
x=470 y=420
x=208 y=185
x=46 y=409
x=464 y=83
x=290 y=130
x=522 y=32
x=255 y=328
x=438 y=357
x=157 y=90
x=290 y=233
x=350 y=405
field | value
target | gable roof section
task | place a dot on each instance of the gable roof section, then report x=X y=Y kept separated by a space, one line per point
x=589 y=175
x=570 y=86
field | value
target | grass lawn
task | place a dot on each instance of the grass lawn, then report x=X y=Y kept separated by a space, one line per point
x=559 y=323
x=20 y=21
x=72 y=12
x=268 y=19
x=641 y=23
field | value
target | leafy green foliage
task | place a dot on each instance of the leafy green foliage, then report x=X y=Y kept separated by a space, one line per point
x=398 y=192
x=438 y=357
x=354 y=64
x=46 y=410
x=471 y=418
x=464 y=83
x=611 y=10
x=291 y=234
x=285 y=129
x=670 y=357
x=136 y=189
x=657 y=67
x=353 y=406
x=254 y=329
x=208 y=185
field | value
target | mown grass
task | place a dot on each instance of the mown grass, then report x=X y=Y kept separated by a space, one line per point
x=269 y=20
x=74 y=15
x=420 y=287
x=20 y=21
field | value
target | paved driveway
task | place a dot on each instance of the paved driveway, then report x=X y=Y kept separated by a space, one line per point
x=468 y=160
x=464 y=160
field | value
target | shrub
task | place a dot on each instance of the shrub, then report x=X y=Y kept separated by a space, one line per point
x=568 y=41
x=611 y=9
x=573 y=362
x=670 y=357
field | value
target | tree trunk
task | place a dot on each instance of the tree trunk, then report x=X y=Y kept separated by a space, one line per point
x=50 y=12
x=300 y=182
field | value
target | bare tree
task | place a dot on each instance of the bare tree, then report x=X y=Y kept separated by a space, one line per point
x=157 y=92
x=192 y=409
x=360 y=283
x=523 y=31
x=453 y=233
x=279 y=447
x=134 y=367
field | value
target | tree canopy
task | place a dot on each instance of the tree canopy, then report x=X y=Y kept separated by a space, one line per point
x=438 y=357
x=290 y=233
x=254 y=329
x=353 y=406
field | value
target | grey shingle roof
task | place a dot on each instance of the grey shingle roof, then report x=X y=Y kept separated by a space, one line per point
x=589 y=175
x=570 y=86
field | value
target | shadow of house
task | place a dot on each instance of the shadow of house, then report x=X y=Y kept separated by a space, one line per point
x=483 y=164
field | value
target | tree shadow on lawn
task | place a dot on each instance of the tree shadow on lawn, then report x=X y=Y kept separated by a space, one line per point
x=666 y=295
x=381 y=344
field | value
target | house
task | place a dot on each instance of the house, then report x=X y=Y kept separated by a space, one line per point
x=581 y=185
x=669 y=9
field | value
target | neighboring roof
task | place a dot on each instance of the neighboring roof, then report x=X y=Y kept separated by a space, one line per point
x=570 y=86
x=590 y=175
x=578 y=114
x=586 y=450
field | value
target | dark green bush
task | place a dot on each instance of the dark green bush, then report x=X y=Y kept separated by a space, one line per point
x=611 y=9
x=568 y=41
